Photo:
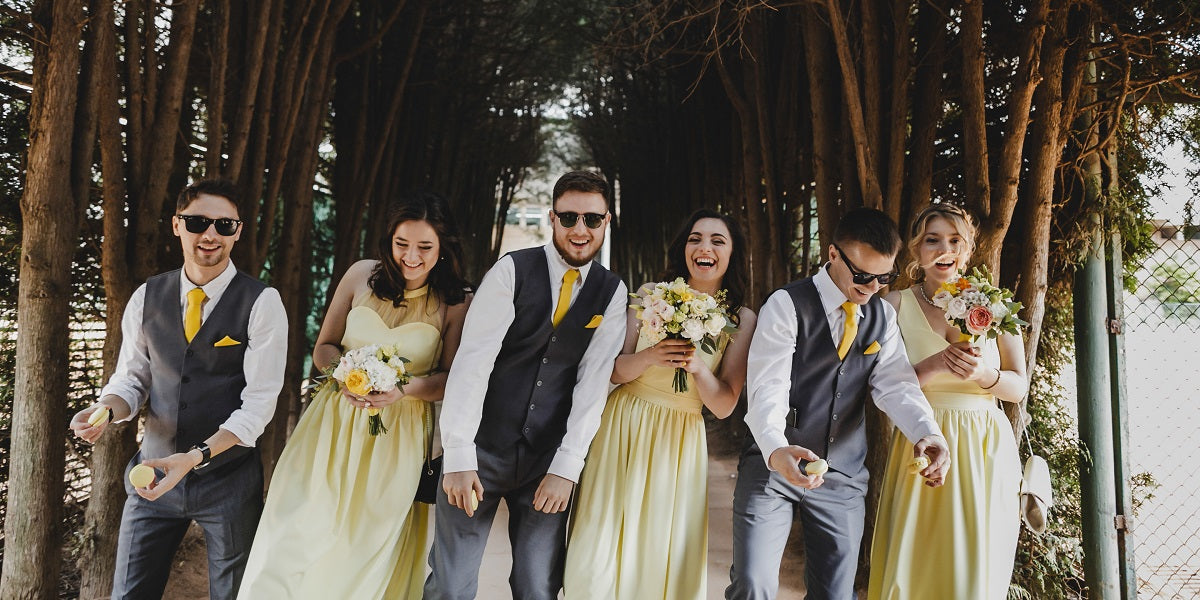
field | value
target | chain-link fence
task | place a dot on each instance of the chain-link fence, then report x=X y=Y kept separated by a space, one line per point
x=1162 y=327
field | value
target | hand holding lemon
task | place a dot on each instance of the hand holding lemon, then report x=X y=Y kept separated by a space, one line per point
x=817 y=467
x=141 y=476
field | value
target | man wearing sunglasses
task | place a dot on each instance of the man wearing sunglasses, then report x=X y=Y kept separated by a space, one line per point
x=203 y=350
x=823 y=344
x=524 y=399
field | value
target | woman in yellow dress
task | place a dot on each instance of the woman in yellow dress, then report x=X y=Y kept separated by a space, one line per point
x=640 y=528
x=958 y=540
x=340 y=520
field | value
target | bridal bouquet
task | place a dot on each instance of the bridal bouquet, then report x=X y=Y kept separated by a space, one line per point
x=979 y=309
x=374 y=368
x=674 y=310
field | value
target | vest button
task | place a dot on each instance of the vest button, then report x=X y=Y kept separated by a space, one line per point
x=554 y=338
x=835 y=417
x=842 y=372
x=532 y=406
x=183 y=406
x=185 y=379
x=837 y=395
x=545 y=360
x=830 y=440
x=189 y=352
x=525 y=430
x=539 y=383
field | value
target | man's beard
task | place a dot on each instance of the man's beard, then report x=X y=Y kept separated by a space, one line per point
x=563 y=252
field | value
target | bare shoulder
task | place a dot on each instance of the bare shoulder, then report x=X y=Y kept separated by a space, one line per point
x=893 y=298
x=746 y=318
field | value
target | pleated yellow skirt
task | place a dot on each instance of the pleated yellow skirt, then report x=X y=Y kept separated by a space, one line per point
x=339 y=520
x=956 y=541
x=640 y=527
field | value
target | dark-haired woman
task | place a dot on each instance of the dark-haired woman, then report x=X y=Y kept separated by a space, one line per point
x=640 y=528
x=340 y=521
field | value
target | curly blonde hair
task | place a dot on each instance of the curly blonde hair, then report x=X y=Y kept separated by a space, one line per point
x=962 y=221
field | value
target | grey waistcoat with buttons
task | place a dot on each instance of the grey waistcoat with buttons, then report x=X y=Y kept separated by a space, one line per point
x=194 y=387
x=529 y=394
x=829 y=394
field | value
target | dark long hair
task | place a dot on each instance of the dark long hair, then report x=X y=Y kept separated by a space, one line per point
x=736 y=278
x=445 y=279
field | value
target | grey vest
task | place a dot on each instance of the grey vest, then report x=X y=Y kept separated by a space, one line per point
x=829 y=394
x=529 y=394
x=194 y=387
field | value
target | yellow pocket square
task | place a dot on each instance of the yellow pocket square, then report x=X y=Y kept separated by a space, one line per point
x=872 y=349
x=595 y=322
x=226 y=341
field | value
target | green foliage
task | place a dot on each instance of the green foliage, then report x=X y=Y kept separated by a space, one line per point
x=1175 y=282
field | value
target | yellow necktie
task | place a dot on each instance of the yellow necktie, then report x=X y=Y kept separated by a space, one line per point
x=564 y=296
x=191 y=315
x=850 y=330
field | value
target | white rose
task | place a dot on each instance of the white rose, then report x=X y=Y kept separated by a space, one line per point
x=714 y=325
x=941 y=299
x=709 y=302
x=693 y=329
x=956 y=308
x=999 y=310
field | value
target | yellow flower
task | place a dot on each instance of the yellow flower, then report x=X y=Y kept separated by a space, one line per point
x=358 y=382
x=686 y=296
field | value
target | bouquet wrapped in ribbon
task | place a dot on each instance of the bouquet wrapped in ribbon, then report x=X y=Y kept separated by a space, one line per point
x=374 y=368
x=674 y=310
x=977 y=308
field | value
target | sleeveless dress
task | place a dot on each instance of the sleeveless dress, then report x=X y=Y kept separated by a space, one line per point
x=339 y=520
x=640 y=526
x=957 y=540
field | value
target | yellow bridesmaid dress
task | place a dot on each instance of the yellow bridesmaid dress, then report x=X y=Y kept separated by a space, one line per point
x=639 y=530
x=339 y=520
x=959 y=540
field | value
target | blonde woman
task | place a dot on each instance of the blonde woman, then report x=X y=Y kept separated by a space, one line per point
x=957 y=540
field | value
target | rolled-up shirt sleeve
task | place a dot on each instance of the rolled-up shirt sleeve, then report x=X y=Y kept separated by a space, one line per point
x=895 y=388
x=130 y=380
x=263 y=365
x=769 y=373
x=487 y=322
x=591 y=388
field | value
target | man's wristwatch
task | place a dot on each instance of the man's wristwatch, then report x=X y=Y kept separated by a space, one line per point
x=205 y=453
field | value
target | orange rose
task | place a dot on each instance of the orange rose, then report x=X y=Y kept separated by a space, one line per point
x=962 y=283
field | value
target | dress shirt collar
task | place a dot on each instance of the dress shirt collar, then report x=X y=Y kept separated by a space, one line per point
x=212 y=289
x=832 y=298
x=558 y=266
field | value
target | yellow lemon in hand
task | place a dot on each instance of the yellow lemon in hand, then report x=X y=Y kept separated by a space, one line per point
x=474 y=501
x=358 y=382
x=141 y=476
x=918 y=464
x=98 y=417
x=816 y=467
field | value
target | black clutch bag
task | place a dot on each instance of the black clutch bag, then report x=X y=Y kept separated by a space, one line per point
x=431 y=470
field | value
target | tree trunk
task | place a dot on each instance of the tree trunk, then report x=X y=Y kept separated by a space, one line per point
x=33 y=546
x=974 y=115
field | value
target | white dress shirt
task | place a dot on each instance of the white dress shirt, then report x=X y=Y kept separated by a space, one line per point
x=487 y=322
x=893 y=382
x=266 y=354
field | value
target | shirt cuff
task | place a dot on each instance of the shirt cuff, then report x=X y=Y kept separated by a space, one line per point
x=566 y=466
x=457 y=460
x=770 y=443
x=133 y=408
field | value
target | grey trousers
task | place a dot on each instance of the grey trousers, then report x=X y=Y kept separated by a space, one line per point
x=226 y=504
x=538 y=539
x=832 y=519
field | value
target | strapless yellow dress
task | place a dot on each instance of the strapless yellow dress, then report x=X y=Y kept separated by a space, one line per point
x=640 y=526
x=958 y=540
x=339 y=520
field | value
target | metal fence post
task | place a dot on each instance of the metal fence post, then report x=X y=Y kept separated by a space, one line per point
x=1096 y=471
x=1120 y=423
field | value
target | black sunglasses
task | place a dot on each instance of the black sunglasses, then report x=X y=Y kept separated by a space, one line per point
x=569 y=219
x=199 y=224
x=862 y=277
